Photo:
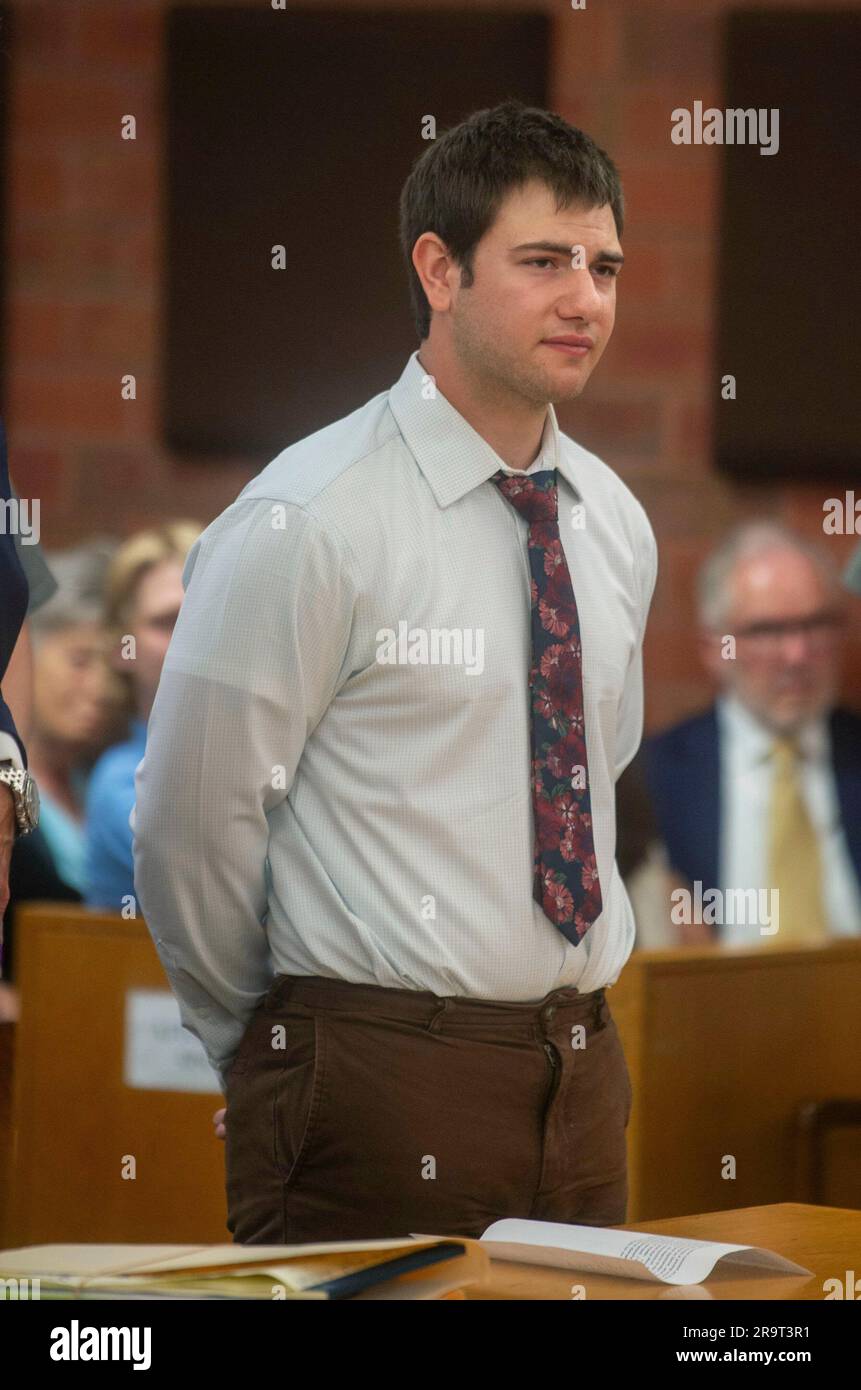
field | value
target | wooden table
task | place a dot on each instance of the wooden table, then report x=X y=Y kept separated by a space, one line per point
x=826 y=1240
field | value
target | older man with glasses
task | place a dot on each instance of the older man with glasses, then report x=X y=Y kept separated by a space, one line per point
x=761 y=794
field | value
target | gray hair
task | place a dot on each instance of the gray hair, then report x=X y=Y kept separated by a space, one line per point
x=80 y=574
x=742 y=541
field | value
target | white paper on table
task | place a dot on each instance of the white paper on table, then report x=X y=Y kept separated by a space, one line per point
x=630 y=1254
x=159 y=1054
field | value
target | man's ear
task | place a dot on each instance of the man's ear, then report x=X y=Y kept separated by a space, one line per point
x=433 y=265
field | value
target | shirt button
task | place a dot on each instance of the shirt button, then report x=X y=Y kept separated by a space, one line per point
x=549 y=1012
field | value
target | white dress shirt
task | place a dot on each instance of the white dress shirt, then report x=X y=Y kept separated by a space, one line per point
x=746 y=780
x=9 y=750
x=304 y=807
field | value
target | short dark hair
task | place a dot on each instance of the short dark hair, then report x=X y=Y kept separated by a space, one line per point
x=456 y=186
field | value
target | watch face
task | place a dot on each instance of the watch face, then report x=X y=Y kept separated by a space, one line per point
x=31 y=801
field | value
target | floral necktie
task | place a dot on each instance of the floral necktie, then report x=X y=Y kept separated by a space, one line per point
x=566 y=872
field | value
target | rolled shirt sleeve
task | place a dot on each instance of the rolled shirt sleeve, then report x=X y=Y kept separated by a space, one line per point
x=10 y=750
x=254 y=661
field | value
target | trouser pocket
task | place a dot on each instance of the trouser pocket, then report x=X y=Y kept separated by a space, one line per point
x=298 y=1095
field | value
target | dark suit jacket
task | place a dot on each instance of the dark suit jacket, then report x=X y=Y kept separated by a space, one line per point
x=14 y=595
x=683 y=774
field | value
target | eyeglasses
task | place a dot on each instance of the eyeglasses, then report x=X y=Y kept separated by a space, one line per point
x=819 y=630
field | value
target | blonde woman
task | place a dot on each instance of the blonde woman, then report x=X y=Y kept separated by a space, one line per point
x=143 y=593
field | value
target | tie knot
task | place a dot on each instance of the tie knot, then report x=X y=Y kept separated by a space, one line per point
x=785 y=750
x=533 y=495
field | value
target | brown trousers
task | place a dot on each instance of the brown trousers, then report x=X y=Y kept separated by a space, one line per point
x=355 y=1112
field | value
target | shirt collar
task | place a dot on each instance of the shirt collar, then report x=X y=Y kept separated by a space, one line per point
x=545 y=459
x=451 y=454
x=753 y=740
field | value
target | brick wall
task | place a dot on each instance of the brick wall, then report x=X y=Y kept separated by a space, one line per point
x=84 y=291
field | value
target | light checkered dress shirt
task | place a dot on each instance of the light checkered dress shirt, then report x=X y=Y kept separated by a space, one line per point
x=337 y=770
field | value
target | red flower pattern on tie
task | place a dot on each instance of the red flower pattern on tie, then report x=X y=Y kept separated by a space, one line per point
x=566 y=872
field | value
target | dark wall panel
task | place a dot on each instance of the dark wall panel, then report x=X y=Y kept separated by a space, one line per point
x=300 y=128
x=789 y=300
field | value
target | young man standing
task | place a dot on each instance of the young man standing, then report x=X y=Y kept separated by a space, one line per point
x=375 y=828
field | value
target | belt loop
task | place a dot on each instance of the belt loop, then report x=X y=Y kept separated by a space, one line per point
x=434 y=1025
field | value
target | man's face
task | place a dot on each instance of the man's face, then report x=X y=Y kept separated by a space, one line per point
x=786 y=625
x=525 y=294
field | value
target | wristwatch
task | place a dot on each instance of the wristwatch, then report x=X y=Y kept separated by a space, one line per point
x=25 y=794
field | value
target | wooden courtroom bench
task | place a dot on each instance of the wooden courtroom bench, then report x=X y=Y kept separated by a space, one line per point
x=75 y=1121
x=727 y=1048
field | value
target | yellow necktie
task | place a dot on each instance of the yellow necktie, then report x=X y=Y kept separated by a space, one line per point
x=795 y=867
